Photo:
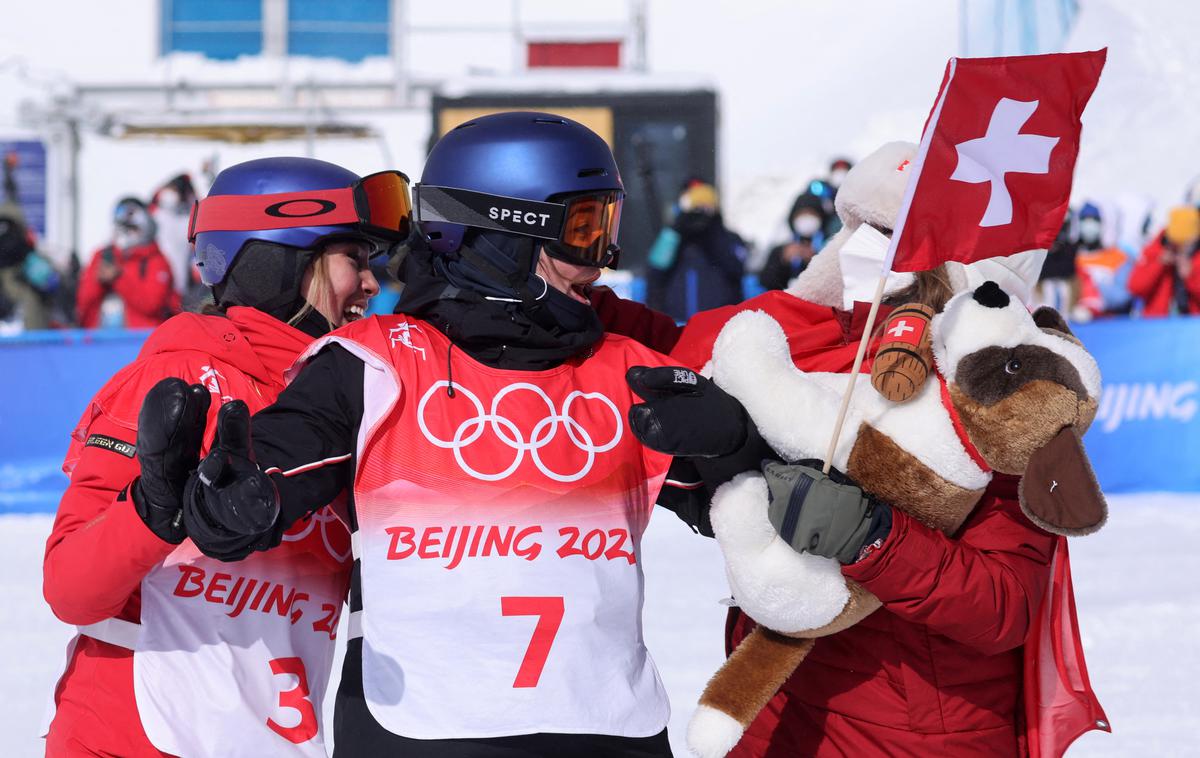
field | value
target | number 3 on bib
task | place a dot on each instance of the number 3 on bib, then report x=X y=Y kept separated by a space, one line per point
x=297 y=700
x=549 y=611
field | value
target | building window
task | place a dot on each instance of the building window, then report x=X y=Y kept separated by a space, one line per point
x=350 y=29
x=222 y=29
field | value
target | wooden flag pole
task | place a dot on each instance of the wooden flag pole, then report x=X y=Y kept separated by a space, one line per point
x=858 y=361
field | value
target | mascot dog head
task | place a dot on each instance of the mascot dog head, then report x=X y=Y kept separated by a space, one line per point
x=1026 y=391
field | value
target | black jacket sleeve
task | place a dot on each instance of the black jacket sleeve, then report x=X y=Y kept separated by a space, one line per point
x=728 y=255
x=306 y=440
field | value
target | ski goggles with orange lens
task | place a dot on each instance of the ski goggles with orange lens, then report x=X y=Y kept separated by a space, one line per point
x=581 y=229
x=377 y=205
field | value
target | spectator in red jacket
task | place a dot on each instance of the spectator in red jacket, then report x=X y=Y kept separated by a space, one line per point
x=128 y=282
x=1166 y=278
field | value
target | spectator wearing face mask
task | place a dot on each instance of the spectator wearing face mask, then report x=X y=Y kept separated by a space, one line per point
x=697 y=264
x=1165 y=277
x=806 y=222
x=1102 y=270
x=838 y=169
x=128 y=282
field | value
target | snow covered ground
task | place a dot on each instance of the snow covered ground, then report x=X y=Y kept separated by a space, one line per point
x=1135 y=582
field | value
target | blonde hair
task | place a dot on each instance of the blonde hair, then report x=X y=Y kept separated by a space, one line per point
x=318 y=283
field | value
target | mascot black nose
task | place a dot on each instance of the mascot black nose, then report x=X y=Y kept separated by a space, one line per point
x=990 y=295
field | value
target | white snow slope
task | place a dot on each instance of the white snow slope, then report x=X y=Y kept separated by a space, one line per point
x=1135 y=583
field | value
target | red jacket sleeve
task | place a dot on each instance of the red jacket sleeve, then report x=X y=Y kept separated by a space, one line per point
x=1148 y=271
x=981 y=589
x=629 y=318
x=99 y=550
x=89 y=295
x=145 y=285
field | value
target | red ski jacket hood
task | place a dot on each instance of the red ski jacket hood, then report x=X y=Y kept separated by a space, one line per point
x=256 y=344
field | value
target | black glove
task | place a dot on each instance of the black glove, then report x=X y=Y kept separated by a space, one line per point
x=826 y=515
x=170 y=433
x=685 y=414
x=230 y=506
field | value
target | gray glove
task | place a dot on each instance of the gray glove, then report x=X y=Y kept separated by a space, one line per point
x=826 y=515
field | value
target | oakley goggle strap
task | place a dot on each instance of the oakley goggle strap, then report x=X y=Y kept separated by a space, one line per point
x=505 y=214
x=377 y=203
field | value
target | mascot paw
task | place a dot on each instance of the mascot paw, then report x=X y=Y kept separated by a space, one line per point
x=712 y=734
x=739 y=515
x=750 y=343
x=751 y=360
x=779 y=588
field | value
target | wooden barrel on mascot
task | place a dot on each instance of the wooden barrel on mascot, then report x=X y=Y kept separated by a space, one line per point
x=904 y=359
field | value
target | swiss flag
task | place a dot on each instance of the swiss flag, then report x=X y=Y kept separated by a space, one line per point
x=993 y=173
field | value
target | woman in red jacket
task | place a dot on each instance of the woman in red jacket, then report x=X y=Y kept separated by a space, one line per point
x=940 y=669
x=176 y=653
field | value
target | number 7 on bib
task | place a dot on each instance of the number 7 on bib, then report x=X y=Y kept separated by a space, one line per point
x=549 y=611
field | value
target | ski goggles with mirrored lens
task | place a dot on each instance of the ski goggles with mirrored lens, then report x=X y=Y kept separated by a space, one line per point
x=581 y=229
x=377 y=205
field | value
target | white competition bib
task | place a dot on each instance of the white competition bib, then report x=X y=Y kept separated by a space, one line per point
x=480 y=627
x=233 y=659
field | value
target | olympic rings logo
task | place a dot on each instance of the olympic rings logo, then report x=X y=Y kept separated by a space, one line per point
x=327 y=520
x=544 y=431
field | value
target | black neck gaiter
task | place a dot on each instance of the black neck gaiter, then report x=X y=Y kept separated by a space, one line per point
x=529 y=328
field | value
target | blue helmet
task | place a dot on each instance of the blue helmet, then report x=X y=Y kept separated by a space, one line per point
x=264 y=221
x=518 y=173
x=216 y=251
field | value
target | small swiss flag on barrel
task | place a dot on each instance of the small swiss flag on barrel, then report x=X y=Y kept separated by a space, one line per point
x=905 y=356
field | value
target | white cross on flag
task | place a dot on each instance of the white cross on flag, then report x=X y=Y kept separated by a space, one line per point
x=993 y=173
x=901 y=328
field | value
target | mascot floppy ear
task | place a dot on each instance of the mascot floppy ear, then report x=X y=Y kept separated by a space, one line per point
x=1048 y=318
x=1059 y=491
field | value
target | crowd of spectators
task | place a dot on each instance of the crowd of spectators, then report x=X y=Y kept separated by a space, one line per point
x=1090 y=274
x=1108 y=261
x=139 y=277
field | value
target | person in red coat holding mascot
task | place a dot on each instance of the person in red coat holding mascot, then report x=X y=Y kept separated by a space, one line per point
x=176 y=653
x=943 y=668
